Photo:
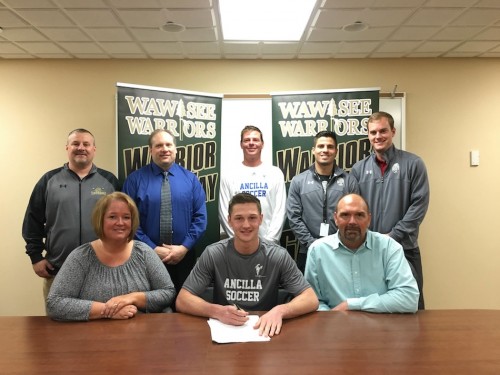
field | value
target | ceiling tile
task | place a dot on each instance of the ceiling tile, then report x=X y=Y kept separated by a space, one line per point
x=152 y=35
x=414 y=33
x=130 y=29
x=65 y=34
x=450 y=3
x=318 y=48
x=142 y=18
x=397 y=3
x=22 y=4
x=480 y=17
x=202 y=48
x=193 y=18
x=436 y=46
x=337 y=18
x=40 y=47
x=9 y=48
x=121 y=47
x=82 y=4
x=163 y=48
x=433 y=16
x=10 y=19
x=397 y=47
x=347 y=3
x=456 y=33
x=357 y=47
x=488 y=4
x=83 y=47
x=24 y=34
x=241 y=48
x=492 y=33
x=385 y=17
x=196 y=35
x=104 y=18
x=45 y=17
x=314 y=56
x=110 y=35
x=279 y=48
x=476 y=46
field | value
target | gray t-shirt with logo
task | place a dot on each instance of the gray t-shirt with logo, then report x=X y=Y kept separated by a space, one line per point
x=249 y=281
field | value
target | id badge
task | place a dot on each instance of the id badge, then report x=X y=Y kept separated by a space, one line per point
x=323 y=230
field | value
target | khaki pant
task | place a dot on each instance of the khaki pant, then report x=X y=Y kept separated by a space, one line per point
x=47 y=283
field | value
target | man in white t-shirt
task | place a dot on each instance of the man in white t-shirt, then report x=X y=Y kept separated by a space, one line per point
x=264 y=181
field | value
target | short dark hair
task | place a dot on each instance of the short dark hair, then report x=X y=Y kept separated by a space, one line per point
x=242 y=198
x=251 y=128
x=326 y=134
x=378 y=115
x=81 y=130
x=101 y=207
x=157 y=131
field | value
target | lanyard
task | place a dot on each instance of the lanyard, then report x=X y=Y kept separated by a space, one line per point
x=325 y=195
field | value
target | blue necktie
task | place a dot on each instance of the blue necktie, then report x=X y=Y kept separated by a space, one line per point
x=166 y=212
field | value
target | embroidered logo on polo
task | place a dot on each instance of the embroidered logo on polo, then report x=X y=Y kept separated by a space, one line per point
x=395 y=168
x=98 y=191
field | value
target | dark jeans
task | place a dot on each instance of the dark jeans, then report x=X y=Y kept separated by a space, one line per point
x=413 y=257
x=301 y=261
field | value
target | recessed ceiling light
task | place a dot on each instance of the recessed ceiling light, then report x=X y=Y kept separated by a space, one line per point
x=269 y=20
x=355 y=27
x=172 y=27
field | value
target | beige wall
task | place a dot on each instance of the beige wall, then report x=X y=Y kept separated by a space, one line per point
x=453 y=106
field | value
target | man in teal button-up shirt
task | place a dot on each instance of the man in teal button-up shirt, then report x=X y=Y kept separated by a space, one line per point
x=356 y=269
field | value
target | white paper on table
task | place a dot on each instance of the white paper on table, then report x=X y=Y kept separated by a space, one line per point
x=225 y=333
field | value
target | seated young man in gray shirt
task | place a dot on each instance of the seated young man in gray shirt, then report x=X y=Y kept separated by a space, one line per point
x=246 y=272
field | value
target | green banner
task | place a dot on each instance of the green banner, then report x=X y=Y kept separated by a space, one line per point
x=194 y=119
x=298 y=117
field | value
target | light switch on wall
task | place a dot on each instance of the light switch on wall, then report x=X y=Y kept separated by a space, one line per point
x=474 y=158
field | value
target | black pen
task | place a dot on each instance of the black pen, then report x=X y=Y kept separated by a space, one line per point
x=237 y=307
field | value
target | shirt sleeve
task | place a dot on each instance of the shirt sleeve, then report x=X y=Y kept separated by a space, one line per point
x=63 y=302
x=225 y=195
x=130 y=187
x=402 y=290
x=202 y=274
x=419 y=202
x=198 y=224
x=34 y=222
x=311 y=275
x=292 y=279
x=294 y=212
x=278 y=198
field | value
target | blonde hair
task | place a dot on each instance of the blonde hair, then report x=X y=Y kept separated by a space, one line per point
x=102 y=206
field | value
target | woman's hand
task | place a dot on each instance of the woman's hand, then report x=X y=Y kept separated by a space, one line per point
x=126 y=312
x=115 y=304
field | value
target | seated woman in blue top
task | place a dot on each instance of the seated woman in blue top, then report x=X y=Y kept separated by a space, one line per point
x=114 y=276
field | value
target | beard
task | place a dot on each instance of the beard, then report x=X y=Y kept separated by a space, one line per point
x=352 y=233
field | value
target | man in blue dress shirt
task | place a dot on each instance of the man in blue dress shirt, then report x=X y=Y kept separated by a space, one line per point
x=357 y=269
x=189 y=212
